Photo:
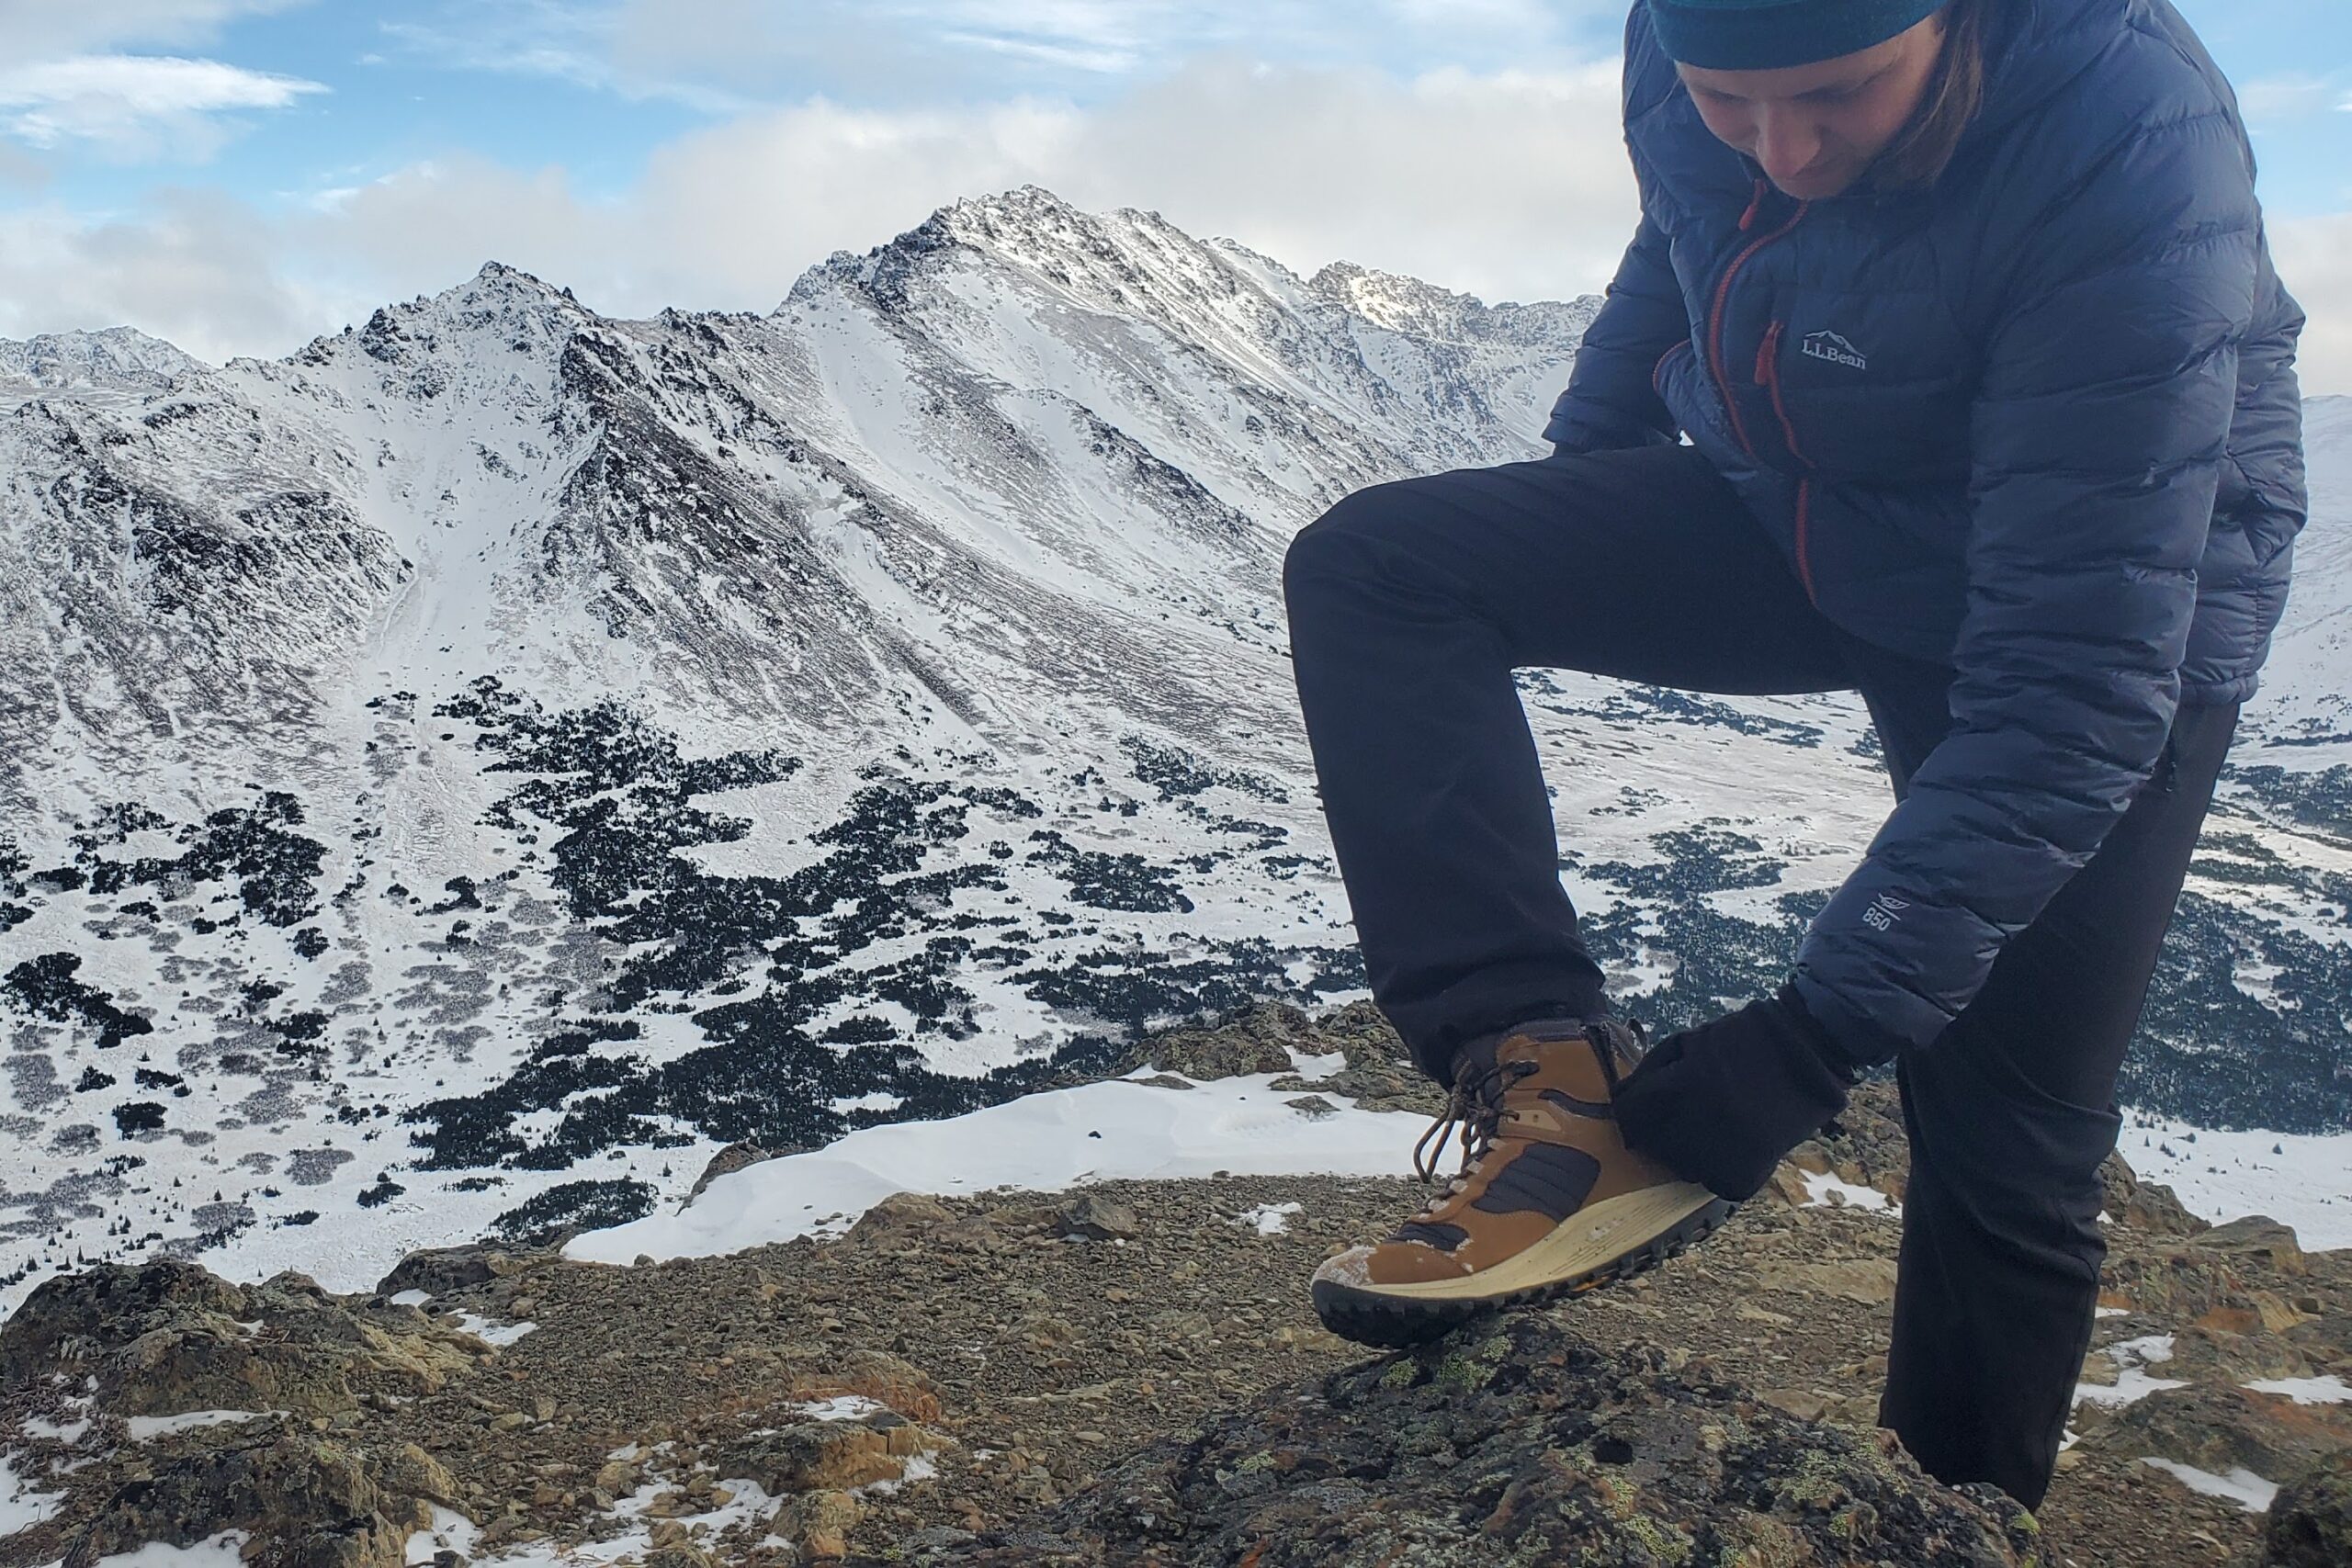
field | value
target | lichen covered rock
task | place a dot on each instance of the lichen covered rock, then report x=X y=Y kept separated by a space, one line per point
x=2256 y=1237
x=303 y=1502
x=438 y=1270
x=1379 y=1073
x=2310 y=1524
x=1259 y=1040
x=2149 y=1205
x=1515 y=1441
x=819 y=1523
x=2223 y=1429
x=815 y=1456
x=169 y=1336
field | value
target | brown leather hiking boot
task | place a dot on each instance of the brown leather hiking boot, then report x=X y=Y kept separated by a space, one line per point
x=1549 y=1200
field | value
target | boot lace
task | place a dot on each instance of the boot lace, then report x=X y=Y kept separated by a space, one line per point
x=1475 y=1112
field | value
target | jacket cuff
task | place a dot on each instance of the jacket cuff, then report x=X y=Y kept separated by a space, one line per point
x=1817 y=1039
x=1853 y=1039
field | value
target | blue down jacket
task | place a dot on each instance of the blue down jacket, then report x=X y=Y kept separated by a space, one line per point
x=2037 y=422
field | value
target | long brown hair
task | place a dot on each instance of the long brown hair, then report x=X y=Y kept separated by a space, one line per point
x=1925 y=148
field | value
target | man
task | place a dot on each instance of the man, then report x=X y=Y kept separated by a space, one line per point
x=1965 y=310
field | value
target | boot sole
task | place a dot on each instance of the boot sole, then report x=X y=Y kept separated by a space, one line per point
x=1566 y=1263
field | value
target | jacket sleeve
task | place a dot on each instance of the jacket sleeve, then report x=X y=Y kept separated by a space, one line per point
x=2097 y=436
x=1611 y=401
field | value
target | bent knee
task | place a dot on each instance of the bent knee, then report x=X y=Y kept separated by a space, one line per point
x=1343 y=541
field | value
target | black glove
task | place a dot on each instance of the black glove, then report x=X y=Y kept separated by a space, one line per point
x=1720 y=1104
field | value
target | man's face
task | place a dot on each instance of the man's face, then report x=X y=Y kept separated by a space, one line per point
x=1815 y=128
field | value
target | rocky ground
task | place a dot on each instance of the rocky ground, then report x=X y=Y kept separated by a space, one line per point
x=1132 y=1374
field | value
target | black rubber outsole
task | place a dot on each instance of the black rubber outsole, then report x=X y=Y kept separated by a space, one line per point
x=1395 y=1323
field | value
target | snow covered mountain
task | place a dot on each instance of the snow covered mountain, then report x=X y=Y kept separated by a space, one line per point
x=119 y=359
x=462 y=775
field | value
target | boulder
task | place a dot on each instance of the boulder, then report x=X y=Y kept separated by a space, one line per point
x=1515 y=1441
x=1379 y=1073
x=1379 y=1086
x=169 y=1336
x=813 y=1374
x=2220 y=1355
x=2145 y=1205
x=439 y=1270
x=1787 y=1188
x=733 y=1157
x=2180 y=1282
x=812 y=1456
x=2258 y=1238
x=2310 y=1522
x=671 y=1546
x=1865 y=1145
x=1362 y=1032
x=819 y=1523
x=1097 y=1218
x=2219 y=1428
x=305 y=1502
x=1258 y=1040
x=897 y=1220
x=1865 y=1281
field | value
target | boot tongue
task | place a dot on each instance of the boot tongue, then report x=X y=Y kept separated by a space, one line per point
x=1485 y=1061
x=1564 y=1056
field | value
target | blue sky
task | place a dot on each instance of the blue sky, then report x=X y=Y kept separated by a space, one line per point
x=240 y=174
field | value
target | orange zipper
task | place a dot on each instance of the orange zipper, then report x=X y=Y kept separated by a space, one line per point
x=1768 y=375
x=1723 y=297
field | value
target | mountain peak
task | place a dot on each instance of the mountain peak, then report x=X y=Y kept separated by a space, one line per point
x=500 y=302
x=1400 y=303
x=497 y=276
x=1028 y=203
x=1015 y=224
x=500 y=289
x=116 y=356
x=1406 y=304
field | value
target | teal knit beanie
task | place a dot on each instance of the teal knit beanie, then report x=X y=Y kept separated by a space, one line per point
x=1765 y=35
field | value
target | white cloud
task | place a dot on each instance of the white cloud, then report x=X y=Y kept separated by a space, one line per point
x=914 y=51
x=2268 y=100
x=1508 y=184
x=137 y=106
x=66 y=80
x=430 y=225
x=20 y=168
x=546 y=37
x=198 y=268
x=2314 y=257
x=40 y=29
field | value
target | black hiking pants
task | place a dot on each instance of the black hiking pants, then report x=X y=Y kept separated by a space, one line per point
x=1410 y=605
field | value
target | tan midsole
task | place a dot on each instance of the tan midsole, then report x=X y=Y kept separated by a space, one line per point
x=1587 y=1239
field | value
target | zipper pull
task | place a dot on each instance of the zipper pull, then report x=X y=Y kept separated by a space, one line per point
x=1767 y=354
x=1755 y=206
